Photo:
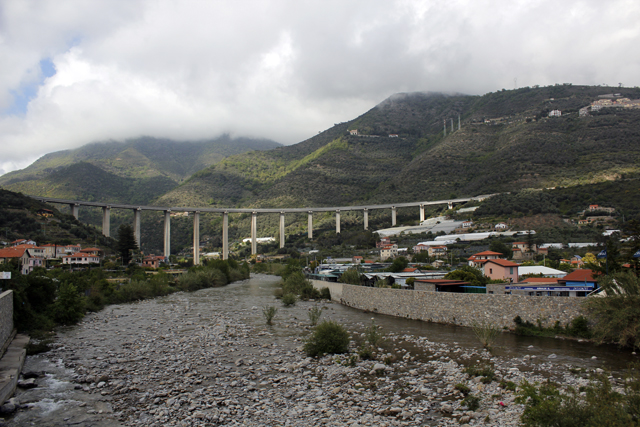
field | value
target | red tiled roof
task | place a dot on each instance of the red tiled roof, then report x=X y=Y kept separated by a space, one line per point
x=502 y=262
x=580 y=276
x=409 y=270
x=90 y=249
x=12 y=252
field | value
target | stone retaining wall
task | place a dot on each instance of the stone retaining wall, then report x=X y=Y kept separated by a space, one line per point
x=334 y=287
x=6 y=316
x=461 y=309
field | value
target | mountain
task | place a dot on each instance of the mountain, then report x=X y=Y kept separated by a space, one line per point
x=144 y=168
x=506 y=142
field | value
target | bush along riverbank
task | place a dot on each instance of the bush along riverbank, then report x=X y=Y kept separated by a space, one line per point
x=47 y=298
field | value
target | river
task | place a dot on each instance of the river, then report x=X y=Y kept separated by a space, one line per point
x=207 y=358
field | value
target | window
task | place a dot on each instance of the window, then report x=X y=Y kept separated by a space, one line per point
x=491 y=271
x=510 y=270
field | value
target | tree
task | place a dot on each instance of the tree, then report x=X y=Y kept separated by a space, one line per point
x=500 y=246
x=126 y=243
x=468 y=274
x=398 y=265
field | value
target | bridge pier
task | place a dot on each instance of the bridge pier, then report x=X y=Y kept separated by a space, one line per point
x=450 y=205
x=281 y=230
x=106 y=221
x=393 y=216
x=366 y=218
x=74 y=209
x=225 y=235
x=196 y=238
x=254 y=232
x=421 y=213
x=167 y=233
x=136 y=226
x=337 y=221
x=310 y=225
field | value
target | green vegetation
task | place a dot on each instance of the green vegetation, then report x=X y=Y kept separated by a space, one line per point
x=45 y=298
x=351 y=277
x=486 y=333
x=126 y=243
x=328 y=337
x=314 y=313
x=471 y=402
x=617 y=315
x=578 y=327
x=595 y=405
x=288 y=300
x=269 y=312
x=484 y=371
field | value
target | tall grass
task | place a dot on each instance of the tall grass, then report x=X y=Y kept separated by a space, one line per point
x=485 y=332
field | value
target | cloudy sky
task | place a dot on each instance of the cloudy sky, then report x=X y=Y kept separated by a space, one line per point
x=73 y=72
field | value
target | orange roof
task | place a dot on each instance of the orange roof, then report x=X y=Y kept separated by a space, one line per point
x=90 y=249
x=502 y=262
x=12 y=252
x=409 y=270
x=584 y=275
x=25 y=246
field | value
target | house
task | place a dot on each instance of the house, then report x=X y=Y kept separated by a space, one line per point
x=384 y=241
x=357 y=259
x=576 y=261
x=582 y=277
x=393 y=135
x=521 y=250
x=420 y=247
x=501 y=269
x=466 y=224
x=501 y=226
x=81 y=258
x=555 y=113
x=389 y=251
x=152 y=261
x=480 y=258
x=23 y=242
x=93 y=251
x=353 y=132
x=437 y=251
x=23 y=255
x=72 y=249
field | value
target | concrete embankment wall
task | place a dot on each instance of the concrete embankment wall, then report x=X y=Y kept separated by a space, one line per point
x=458 y=309
x=6 y=317
x=334 y=288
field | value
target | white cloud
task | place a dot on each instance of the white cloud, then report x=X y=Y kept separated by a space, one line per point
x=281 y=69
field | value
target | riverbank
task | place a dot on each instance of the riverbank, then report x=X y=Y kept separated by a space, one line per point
x=206 y=358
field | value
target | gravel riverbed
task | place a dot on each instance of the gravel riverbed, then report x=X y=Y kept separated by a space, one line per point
x=179 y=361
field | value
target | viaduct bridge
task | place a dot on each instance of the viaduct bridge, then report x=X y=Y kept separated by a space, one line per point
x=137 y=212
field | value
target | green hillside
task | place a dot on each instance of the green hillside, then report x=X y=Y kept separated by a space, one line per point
x=506 y=142
x=141 y=158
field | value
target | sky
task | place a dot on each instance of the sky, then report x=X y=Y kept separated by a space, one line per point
x=75 y=72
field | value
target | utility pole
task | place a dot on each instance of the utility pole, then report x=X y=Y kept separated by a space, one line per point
x=458 y=121
x=444 y=121
x=451 y=125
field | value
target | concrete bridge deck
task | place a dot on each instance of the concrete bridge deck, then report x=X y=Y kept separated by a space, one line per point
x=137 y=209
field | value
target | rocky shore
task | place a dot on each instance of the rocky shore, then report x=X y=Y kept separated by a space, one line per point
x=175 y=362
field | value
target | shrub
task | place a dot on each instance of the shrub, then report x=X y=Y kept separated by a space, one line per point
x=288 y=300
x=351 y=277
x=579 y=327
x=269 y=312
x=314 y=315
x=617 y=315
x=69 y=307
x=329 y=337
x=373 y=334
x=472 y=402
x=325 y=293
x=594 y=405
x=485 y=371
x=365 y=352
x=462 y=388
x=486 y=333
